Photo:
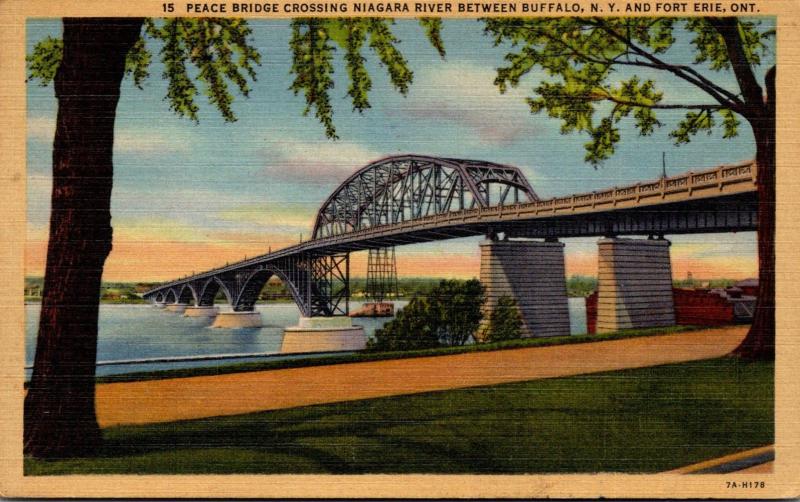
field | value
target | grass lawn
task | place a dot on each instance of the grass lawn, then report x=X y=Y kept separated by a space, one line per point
x=638 y=420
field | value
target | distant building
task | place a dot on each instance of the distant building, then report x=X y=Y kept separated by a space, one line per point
x=749 y=287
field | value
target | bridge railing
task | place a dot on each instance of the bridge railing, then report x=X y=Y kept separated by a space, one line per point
x=687 y=183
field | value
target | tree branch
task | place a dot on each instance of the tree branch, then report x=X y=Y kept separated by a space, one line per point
x=660 y=106
x=726 y=98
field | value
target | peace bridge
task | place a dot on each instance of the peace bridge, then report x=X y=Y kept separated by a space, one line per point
x=410 y=199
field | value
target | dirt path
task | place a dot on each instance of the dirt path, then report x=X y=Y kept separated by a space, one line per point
x=757 y=460
x=206 y=396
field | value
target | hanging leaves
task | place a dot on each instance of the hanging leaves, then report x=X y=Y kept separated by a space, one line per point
x=137 y=62
x=217 y=57
x=313 y=68
x=314 y=43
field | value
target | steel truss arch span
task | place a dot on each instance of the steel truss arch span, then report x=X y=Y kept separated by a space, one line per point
x=409 y=187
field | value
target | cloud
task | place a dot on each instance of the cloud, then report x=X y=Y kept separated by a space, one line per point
x=41 y=128
x=141 y=141
x=321 y=162
x=277 y=216
x=464 y=94
x=158 y=229
x=126 y=139
x=38 y=203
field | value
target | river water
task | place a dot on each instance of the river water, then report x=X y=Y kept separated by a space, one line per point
x=135 y=332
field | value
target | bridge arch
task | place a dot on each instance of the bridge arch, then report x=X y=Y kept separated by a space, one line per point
x=171 y=296
x=159 y=297
x=407 y=187
x=255 y=282
x=187 y=295
x=210 y=289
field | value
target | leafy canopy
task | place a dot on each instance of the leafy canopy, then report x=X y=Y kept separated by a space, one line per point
x=580 y=58
x=219 y=54
x=505 y=321
x=448 y=315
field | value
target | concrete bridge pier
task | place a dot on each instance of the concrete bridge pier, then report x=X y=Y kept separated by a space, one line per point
x=531 y=272
x=238 y=319
x=178 y=308
x=323 y=334
x=201 y=311
x=634 y=287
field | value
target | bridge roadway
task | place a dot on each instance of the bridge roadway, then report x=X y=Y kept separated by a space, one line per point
x=722 y=199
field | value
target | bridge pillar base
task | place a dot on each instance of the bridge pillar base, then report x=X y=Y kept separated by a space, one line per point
x=234 y=320
x=532 y=273
x=634 y=288
x=159 y=305
x=201 y=311
x=178 y=308
x=323 y=334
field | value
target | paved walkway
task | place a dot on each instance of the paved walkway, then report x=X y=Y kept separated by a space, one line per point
x=233 y=394
x=757 y=460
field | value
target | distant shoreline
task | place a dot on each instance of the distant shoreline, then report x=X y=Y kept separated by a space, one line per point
x=38 y=301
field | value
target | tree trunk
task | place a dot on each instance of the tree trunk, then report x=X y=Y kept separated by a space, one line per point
x=60 y=417
x=760 y=341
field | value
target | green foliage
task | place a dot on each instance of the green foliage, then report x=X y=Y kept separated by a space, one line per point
x=219 y=54
x=313 y=68
x=433 y=29
x=411 y=329
x=314 y=42
x=579 y=285
x=505 y=321
x=137 y=62
x=456 y=310
x=448 y=316
x=219 y=49
x=44 y=60
x=181 y=90
x=581 y=57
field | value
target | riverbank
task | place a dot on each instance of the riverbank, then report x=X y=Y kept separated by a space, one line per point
x=173 y=399
x=331 y=359
x=643 y=420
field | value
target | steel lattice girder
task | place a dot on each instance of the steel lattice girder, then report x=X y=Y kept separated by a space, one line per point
x=409 y=187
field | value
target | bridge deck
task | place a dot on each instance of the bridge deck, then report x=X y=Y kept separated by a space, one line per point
x=716 y=200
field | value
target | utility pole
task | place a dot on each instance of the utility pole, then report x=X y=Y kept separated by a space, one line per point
x=663 y=164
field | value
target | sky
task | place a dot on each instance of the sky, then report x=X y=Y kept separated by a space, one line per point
x=191 y=196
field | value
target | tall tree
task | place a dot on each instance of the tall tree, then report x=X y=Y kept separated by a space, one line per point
x=87 y=67
x=584 y=57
